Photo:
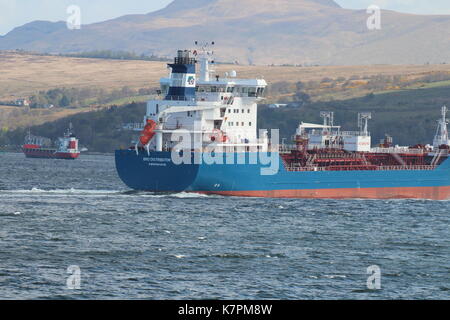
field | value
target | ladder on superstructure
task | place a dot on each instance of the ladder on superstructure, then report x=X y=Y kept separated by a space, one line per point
x=437 y=156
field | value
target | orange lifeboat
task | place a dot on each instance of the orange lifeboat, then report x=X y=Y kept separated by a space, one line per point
x=148 y=132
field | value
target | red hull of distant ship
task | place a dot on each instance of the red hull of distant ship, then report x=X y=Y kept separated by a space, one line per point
x=36 y=152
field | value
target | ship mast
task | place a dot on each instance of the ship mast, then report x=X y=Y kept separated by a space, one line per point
x=206 y=59
x=441 y=137
x=328 y=121
x=363 y=119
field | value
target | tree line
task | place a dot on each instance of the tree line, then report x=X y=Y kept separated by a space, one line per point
x=79 y=97
x=409 y=116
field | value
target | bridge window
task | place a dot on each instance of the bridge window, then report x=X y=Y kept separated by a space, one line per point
x=252 y=92
x=260 y=92
x=164 y=89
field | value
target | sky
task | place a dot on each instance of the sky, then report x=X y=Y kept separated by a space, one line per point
x=14 y=13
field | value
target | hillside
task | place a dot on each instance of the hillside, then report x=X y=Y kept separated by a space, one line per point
x=409 y=116
x=25 y=74
x=254 y=32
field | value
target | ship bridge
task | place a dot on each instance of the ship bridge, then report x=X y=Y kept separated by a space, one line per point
x=223 y=108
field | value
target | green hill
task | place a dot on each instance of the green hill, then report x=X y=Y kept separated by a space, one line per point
x=409 y=116
x=99 y=131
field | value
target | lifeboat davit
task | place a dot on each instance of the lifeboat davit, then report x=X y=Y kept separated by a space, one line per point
x=148 y=133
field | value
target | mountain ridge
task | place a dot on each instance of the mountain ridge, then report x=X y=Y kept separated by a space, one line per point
x=254 y=32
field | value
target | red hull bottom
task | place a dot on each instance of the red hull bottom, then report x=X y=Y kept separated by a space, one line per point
x=432 y=193
x=49 y=155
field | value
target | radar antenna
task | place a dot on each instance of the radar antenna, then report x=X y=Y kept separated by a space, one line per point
x=206 y=58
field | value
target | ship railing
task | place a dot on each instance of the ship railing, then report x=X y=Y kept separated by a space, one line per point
x=287 y=148
x=303 y=169
x=179 y=98
x=382 y=168
x=397 y=150
x=354 y=133
x=407 y=167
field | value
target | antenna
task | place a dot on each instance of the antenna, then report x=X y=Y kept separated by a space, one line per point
x=328 y=118
x=206 y=58
x=444 y=114
x=363 y=120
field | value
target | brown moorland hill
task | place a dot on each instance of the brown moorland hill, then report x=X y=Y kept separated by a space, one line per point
x=24 y=74
x=254 y=32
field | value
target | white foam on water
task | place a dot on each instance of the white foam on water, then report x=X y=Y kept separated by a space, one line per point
x=334 y=276
x=181 y=195
x=189 y=195
x=60 y=191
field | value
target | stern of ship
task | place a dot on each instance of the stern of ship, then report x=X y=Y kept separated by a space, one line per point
x=154 y=171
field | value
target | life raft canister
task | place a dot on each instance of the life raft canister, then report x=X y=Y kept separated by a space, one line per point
x=218 y=135
x=148 y=132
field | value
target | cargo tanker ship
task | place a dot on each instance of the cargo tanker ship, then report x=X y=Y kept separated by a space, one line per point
x=39 y=147
x=201 y=136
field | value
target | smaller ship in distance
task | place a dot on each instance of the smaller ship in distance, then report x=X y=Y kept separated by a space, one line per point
x=40 y=147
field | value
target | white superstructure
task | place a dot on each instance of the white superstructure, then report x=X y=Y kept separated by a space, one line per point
x=221 y=109
x=327 y=135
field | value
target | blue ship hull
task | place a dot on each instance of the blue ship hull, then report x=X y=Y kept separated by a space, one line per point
x=155 y=172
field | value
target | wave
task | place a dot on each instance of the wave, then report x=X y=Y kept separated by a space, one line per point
x=181 y=195
x=73 y=191
x=60 y=191
x=190 y=195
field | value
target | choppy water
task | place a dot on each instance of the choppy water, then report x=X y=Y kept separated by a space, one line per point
x=57 y=213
